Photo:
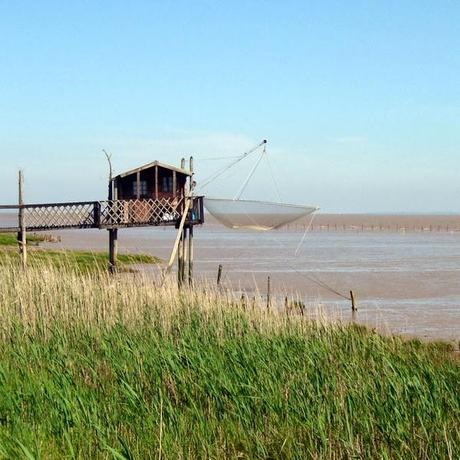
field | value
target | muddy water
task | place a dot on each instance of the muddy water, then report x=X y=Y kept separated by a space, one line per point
x=405 y=282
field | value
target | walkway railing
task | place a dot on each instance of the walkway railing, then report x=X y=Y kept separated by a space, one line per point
x=102 y=214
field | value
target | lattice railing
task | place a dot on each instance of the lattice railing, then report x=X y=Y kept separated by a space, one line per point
x=104 y=214
x=59 y=215
x=140 y=212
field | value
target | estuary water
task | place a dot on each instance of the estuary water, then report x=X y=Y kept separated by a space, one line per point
x=405 y=283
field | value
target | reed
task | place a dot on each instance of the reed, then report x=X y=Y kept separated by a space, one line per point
x=99 y=366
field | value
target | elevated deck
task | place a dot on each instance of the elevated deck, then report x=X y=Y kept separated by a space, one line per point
x=105 y=214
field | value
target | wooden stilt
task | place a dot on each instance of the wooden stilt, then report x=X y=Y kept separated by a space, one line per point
x=180 y=260
x=184 y=256
x=113 y=249
x=190 y=256
x=22 y=237
x=175 y=249
x=190 y=226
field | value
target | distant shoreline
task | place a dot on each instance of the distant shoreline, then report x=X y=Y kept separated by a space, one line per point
x=371 y=222
x=343 y=222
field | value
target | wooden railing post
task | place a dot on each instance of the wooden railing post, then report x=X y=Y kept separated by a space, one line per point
x=97 y=214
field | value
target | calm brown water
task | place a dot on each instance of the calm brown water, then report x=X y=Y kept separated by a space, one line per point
x=405 y=282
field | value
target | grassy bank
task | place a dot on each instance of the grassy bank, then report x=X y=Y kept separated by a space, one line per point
x=102 y=367
x=85 y=261
x=10 y=239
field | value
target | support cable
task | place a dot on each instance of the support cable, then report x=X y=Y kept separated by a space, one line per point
x=221 y=171
x=253 y=170
x=275 y=183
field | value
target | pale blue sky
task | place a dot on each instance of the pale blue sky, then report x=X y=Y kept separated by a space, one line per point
x=360 y=101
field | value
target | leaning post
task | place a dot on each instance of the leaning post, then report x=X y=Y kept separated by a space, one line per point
x=22 y=241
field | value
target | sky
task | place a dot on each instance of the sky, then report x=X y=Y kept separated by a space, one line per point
x=359 y=100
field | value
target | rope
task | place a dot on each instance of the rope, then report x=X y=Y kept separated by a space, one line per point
x=218 y=158
x=304 y=234
x=314 y=280
x=219 y=172
x=253 y=170
x=273 y=179
x=237 y=160
x=321 y=284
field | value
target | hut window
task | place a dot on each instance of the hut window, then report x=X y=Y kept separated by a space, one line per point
x=143 y=188
x=167 y=184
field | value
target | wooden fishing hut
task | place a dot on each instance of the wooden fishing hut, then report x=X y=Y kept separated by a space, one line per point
x=155 y=194
x=152 y=181
x=162 y=193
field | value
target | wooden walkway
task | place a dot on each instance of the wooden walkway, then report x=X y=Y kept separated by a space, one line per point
x=108 y=214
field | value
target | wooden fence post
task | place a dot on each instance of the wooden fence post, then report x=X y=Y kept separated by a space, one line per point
x=22 y=237
x=113 y=249
x=219 y=275
x=353 y=304
x=268 y=292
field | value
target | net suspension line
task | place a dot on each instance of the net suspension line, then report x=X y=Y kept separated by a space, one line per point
x=221 y=171
x=253 y=170
x=275 y=183
x=243 y=187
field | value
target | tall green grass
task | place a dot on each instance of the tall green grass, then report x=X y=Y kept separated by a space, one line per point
x=80 y=261
x=94 y=366
x=11 y=239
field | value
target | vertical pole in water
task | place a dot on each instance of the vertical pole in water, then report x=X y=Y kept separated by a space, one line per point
x=268 y=292
x=179 y=259
x=190 y=255
x=22 y=243
x=184 y=255
x=353 y=304
x=219 y=274
x=190 y=231
x=113 y=249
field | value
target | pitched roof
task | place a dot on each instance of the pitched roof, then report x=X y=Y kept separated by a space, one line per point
x=186 y=172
